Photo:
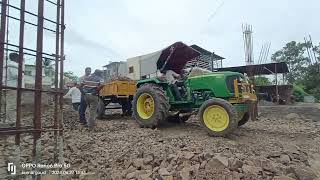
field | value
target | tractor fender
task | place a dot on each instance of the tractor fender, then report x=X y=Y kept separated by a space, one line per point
x=151 y=81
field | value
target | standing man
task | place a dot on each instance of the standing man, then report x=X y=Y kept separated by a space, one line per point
x=83 y=105
x=90 y=90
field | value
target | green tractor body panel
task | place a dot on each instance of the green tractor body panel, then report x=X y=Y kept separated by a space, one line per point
x=214 y=82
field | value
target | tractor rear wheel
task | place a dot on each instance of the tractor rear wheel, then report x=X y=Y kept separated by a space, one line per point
x=150 y=105
x=244 y=119
x=218 y=117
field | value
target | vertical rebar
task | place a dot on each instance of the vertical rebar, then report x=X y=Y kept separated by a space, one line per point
x=20 y=69
x=56 y=76
x=276 y=79
x=248 y=44
x=312 y=48
x=38 y=84
x=38 y=77
x=19 y=84
x=308 y=50
x=7 y=115
x=267 y=53
x=2 y=41
x=62 y=58
x=36 y=152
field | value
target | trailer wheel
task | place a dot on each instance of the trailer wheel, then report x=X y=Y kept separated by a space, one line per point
x=126 y=106
x=218 y=117
x=101 y=108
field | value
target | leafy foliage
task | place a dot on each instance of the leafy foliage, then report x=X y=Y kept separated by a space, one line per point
x=48 y=69
x=262 y=81
x=312 y=80
x=46 y=62
x=294 y=55
x=298 y=93
x=70 y=75
x=302 y=71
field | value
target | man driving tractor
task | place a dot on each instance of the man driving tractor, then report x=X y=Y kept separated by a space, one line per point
x=172 y=79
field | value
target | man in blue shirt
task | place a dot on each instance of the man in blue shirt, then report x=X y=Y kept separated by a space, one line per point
x=90 y=88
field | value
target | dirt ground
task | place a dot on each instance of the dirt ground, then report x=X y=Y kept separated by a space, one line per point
x=283 y=144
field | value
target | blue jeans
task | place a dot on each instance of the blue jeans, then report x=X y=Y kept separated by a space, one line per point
x=82 y=110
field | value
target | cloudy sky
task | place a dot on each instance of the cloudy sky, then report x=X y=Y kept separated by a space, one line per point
x=100 y=31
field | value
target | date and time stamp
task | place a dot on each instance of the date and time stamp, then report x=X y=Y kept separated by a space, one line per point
x=44 y=169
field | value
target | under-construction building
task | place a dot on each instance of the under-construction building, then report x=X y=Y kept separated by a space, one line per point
x=30 y=31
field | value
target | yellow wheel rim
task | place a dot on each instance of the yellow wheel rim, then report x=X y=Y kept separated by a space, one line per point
x=216 y=118
x=145 y=106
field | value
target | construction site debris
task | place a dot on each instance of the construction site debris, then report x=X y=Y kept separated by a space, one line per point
x=275 y=147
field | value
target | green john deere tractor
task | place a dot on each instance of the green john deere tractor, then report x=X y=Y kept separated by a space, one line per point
x=223 y=100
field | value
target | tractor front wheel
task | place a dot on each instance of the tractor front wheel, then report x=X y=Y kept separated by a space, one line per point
x=150 y=105
x=218 y=117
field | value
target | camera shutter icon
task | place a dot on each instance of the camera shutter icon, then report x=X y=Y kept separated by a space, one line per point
x=11 y=168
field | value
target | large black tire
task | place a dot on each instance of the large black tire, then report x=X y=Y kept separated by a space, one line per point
x=161 y=105
x=101 y=108
x=231 y=121
x=244 y=119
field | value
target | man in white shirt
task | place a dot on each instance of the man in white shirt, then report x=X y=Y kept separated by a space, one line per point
x=75 y=95
x=171 y=76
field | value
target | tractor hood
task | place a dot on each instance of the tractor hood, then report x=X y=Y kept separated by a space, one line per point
x=175 y=57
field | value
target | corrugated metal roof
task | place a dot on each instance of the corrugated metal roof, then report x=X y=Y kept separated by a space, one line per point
x=259 y=69
x=204 y=52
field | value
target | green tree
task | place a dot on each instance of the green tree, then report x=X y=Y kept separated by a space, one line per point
x=47 y=62
x=312 y=80
x=70 y=75
x=298 y=93
x=48 y=69
x=294 y=54
x=304 y=74
x=262 y=81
